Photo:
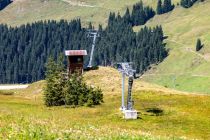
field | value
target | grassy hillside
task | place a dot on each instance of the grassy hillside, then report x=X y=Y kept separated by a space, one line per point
x=96 y=11
x=184 y=69
x=23 y=114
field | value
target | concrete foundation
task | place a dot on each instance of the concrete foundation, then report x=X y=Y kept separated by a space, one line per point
x=130 y=114
x=122 y=109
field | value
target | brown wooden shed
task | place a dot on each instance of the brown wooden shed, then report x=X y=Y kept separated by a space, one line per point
x=75 y=60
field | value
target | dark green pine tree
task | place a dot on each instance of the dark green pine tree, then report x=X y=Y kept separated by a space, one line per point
x=167 y=6
x=141 y=14
x=111 y=18
x=127 y=17
x=198 y=45
x=159 y=7
x=53 y=93
x=188 y=3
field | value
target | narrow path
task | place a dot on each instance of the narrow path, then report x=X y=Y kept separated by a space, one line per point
x=190 y=50
x=74 y=3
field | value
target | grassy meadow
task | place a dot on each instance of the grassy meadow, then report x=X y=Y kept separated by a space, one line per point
x=163 y=113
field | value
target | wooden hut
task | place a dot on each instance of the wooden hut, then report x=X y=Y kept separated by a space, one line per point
x=75 y=60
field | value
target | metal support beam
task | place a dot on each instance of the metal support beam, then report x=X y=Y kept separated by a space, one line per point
x=92 y=50
x=93 y=34
x=123 y=92
x=129 y=98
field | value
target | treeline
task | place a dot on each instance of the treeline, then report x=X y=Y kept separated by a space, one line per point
x=25 y=49
x=4 y=3
x=189 y=3
x=164 y=7
x=119 y=43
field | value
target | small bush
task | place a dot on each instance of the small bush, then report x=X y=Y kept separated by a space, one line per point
x=78 y=93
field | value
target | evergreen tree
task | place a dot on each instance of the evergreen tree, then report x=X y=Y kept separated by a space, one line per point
x=159 y=7
x=53 y=94
x=140 y=14
x=198 y=45
x=187 y=3
x=167 y=6
x=127 y=17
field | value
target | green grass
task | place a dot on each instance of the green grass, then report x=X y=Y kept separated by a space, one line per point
x=23 y=116
x=186 y=83
x=183 y=27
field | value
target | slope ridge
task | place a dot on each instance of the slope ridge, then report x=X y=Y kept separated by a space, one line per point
x=108 y=79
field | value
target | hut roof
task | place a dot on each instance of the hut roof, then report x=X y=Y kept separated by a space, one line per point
x=75 y=52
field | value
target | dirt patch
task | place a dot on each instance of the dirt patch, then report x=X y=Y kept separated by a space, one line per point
x=207 y=56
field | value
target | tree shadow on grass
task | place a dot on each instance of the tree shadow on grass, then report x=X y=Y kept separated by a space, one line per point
x=155 y=111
